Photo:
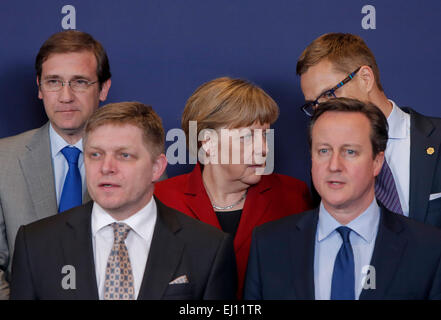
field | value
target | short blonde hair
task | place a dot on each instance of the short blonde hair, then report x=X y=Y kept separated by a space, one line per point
x=228 y=103
x=134 y=113
x=345 y=51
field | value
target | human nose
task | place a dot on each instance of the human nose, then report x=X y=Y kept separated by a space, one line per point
x=66 y=93
x=108 y=165
x=335 y=163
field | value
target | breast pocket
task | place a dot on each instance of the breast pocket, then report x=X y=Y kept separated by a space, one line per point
x=181 y=291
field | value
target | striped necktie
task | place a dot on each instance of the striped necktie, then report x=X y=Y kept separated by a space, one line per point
x=386 y=190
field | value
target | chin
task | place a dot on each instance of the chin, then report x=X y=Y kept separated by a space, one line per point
x=252 y=179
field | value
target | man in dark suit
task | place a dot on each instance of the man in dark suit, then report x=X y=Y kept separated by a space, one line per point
x=348 y=248
x=126 y=244
x=341 y=65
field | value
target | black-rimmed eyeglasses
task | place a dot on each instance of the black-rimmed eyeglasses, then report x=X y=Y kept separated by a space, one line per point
x=310 y=106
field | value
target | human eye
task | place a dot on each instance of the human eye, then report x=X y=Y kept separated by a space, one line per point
x=94 y=154
x=323 y=151
x=351 y=152
x=80 y=83
x=125 y=155
x=52 y=83
x=328 y=94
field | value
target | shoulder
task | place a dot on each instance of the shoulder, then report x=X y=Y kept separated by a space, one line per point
x=188 y=227
x=283 y=181
x=173 y=182
x=20 y=141
x=280 y=228
x=415 y=232
x=53 y=226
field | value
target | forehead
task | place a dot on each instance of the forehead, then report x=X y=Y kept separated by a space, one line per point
x=341 y=128
x=71 y=63
x=319 y=78
x=115 y=136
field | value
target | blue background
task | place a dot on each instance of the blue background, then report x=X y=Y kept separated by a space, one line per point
x=160 y=51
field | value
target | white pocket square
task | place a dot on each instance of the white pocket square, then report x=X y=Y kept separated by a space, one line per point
x=434 y=196
x=179 y=280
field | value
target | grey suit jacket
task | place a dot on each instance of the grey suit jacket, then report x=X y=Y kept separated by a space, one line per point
x=27 y=190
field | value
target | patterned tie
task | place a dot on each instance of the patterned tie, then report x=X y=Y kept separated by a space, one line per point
x=119 y=277
x=343 y=277
x=71 y=196
x=386 y=190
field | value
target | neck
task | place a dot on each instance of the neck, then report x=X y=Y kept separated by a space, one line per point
x=220 y=190
x=70 y=136
x=346 y=214
x=379 y=99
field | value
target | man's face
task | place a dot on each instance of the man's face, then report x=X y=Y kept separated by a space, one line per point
x=343 y=167
x=120 y=169
x=67 y=110
x=323 y=76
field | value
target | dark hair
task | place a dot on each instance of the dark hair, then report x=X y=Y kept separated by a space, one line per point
x=345 y=51
x=134 y=113
x=378 y=121
x=74 y=41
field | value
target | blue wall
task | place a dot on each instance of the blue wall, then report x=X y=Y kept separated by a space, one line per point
x=161 y=50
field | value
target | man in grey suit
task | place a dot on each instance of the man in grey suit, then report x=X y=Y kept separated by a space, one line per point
x=73 y=76
x=125 y=245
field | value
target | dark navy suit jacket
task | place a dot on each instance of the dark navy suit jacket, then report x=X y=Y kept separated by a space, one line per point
x=406 y=258
x=180 y=246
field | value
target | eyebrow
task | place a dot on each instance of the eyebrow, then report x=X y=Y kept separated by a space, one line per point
x=75 y=77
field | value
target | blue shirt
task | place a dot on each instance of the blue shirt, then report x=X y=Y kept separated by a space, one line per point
x=328 y=242
x=59 y=162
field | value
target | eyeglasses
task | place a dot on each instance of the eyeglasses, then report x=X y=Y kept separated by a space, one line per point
x=310 y=106
x=77 y=85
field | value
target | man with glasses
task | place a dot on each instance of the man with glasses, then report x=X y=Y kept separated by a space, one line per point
x=42 y=169
x=341 y=65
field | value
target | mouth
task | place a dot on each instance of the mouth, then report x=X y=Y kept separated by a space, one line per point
x=106 y=185
x=334 y=184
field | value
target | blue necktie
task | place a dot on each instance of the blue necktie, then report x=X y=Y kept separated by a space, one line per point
x=386 y=190
x=343 y=278
x=72 y=195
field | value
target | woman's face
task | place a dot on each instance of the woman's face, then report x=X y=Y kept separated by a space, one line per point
x=240 y=153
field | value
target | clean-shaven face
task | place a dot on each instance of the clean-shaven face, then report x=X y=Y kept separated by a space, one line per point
x=67 y=110
x=119 y=169
x=343 y=167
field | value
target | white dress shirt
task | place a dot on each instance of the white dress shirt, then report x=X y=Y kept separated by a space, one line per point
x=398 y=153
x=59 y=162
x=138 y=242
x=328 y=242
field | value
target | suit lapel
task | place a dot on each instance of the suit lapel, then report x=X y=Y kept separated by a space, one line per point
x=302 y=245
x=196 y=198
x=36 y=164
x=78 y=252
x=164 y=256
x=388 y=250
x=423 y=135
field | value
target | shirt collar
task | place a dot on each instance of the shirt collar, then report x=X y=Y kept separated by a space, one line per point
x=397 y=122
x=365 y=225
x=58 y=143
x=137 y=222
